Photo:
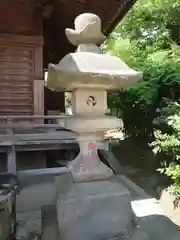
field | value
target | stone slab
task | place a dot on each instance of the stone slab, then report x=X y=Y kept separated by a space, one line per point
x=38 y=188
x=33 y=196
x=94 y=210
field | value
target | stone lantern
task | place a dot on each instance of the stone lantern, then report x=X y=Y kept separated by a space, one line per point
x=95 y=205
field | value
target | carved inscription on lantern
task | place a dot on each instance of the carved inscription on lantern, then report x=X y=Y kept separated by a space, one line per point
x=92 y=148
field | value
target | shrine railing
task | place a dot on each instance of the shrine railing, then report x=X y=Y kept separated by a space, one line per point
x=30 y=133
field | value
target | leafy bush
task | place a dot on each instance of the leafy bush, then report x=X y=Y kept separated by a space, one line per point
x=167 y=144
x=139 y=103
x=144 y=41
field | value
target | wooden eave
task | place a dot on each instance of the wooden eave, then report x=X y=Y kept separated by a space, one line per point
x=63 y=15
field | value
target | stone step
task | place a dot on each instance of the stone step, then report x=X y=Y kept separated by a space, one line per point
x=49 y=223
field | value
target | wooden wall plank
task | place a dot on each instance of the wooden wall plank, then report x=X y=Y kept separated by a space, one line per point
x=20 y=66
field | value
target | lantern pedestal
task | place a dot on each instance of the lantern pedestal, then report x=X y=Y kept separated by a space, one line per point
x=94 y=210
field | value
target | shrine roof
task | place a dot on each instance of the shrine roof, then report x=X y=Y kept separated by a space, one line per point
x=63 y=14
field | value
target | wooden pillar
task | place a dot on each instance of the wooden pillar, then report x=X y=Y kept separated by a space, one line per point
x=38 y=83
x=11 y=150
x=38 y=97
x=11 y=159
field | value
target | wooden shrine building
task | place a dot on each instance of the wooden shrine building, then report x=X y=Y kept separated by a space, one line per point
x=31 y=36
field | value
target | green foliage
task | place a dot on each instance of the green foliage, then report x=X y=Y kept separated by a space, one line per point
x=144 y=42
x=149 y=19
x=68 y=99
x=167 y=144
x=173 y=171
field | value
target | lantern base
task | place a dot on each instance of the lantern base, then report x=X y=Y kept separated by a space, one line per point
x=85 y=169
x=94 y=210
x=87 y=166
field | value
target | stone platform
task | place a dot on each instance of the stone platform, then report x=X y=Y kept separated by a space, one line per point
x=94 y=210
x=150 y=220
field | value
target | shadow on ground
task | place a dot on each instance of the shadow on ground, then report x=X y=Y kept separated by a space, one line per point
x=139 y=164
x=156 y=227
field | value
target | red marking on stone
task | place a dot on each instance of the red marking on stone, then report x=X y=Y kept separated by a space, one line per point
x=92 y=146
